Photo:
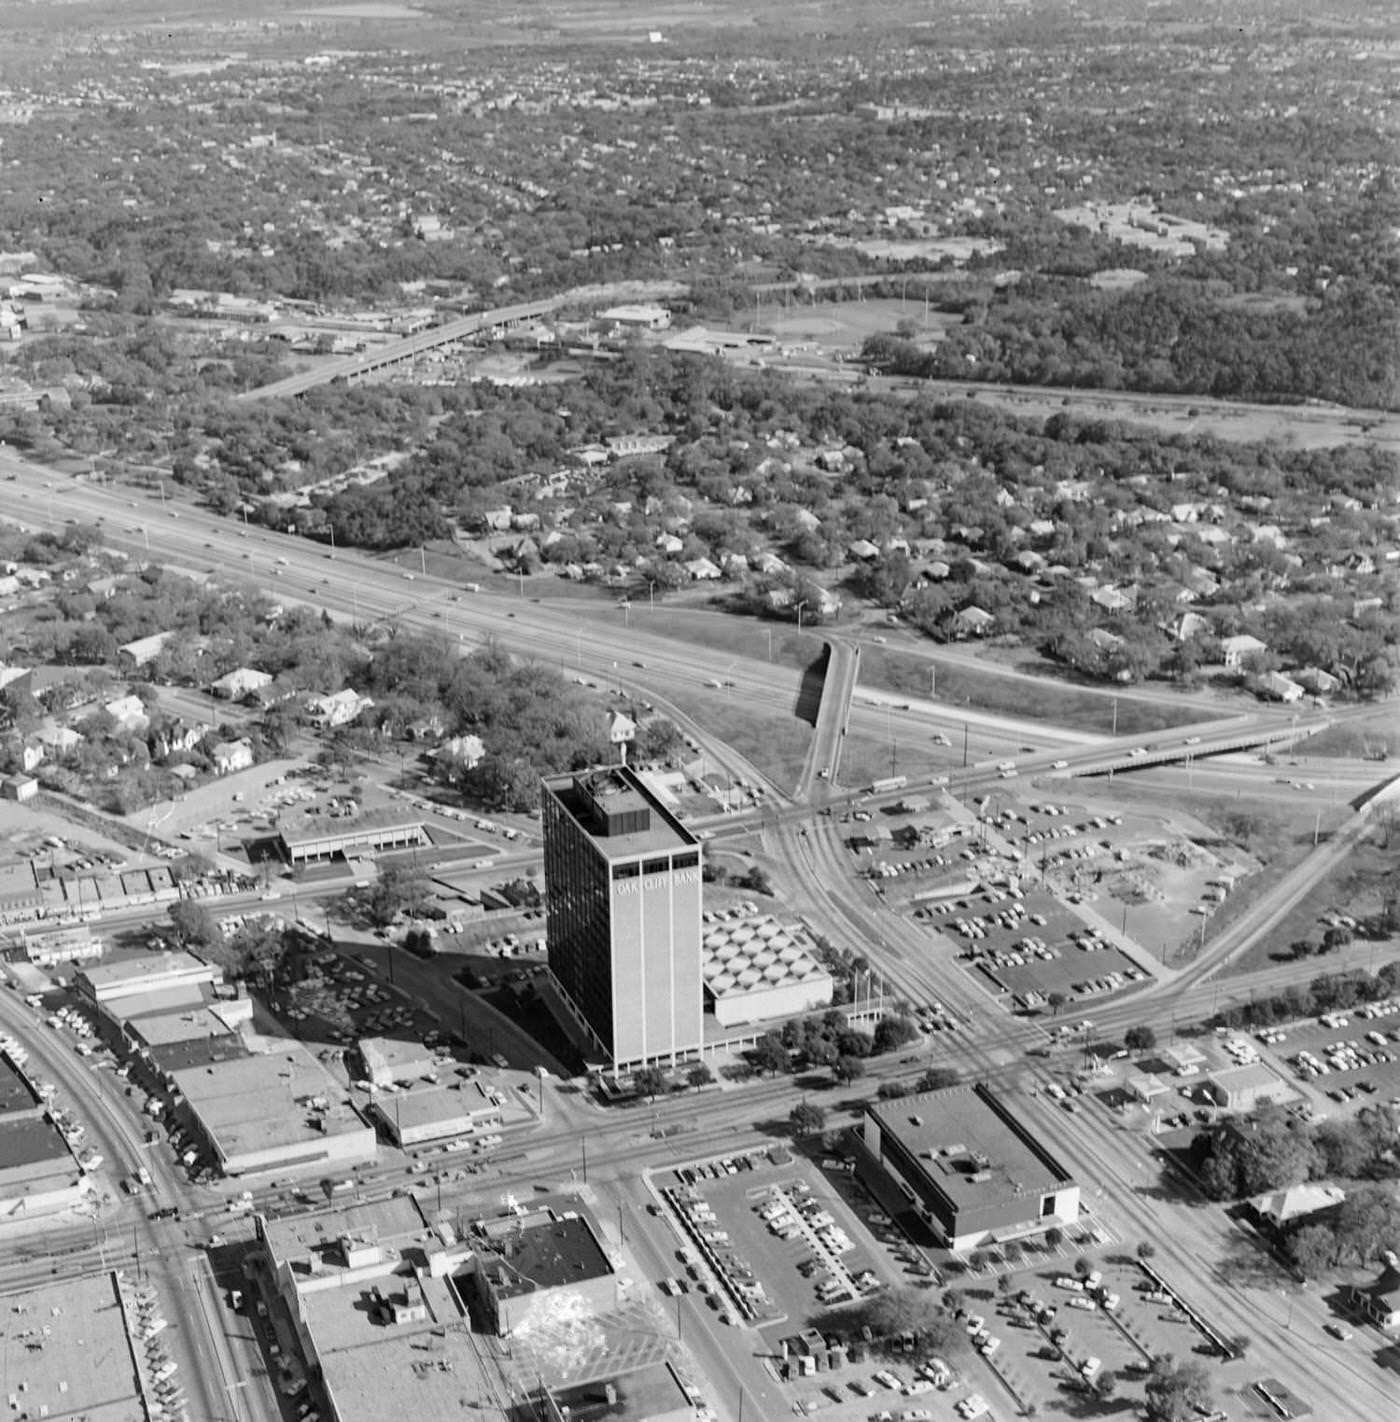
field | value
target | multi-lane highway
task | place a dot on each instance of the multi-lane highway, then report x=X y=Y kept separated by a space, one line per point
x=802 y=840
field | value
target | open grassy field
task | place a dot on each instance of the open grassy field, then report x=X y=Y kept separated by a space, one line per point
x=1358 y=888
x=845 y=325
x=1008 y=694
x=775 y=744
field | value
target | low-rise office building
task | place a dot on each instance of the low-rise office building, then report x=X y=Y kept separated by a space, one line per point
x=970 y=1167
x=307 y=839
x=1242 y=1088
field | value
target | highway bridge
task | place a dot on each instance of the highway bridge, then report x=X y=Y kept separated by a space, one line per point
x=406 y=348
x=1123 y=755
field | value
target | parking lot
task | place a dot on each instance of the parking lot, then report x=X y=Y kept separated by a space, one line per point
x=1351 y=1059
x=373 y=1008
x=783 y=1227
x=1027 y=945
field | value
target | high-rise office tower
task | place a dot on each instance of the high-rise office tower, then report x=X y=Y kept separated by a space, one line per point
x=622 y=893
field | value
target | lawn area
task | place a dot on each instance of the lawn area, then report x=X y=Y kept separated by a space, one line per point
x=777 y=642
x=865 y=758
x=1358 y=888
x=775 y=744
x=1356 y=740
x=1007 y=694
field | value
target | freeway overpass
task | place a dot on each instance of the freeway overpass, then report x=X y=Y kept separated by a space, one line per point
x=407 y=348
x=1132 y=754
x=833 y=715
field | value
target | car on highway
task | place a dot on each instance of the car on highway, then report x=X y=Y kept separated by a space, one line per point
x=1340 y=1331
x=1138 y=750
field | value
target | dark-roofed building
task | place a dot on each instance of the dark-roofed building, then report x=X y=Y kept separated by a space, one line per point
x=650 y=1394
x=972 y=1169
x=1379 y=1301
x=533 y=1267
x=623 y=896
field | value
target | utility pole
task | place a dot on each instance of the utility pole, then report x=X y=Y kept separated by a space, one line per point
x=964 y=745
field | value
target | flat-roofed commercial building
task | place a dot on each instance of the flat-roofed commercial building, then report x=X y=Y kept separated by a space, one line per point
x=73 y=1351
x=436 y=1113
x=276 y=1111
x=390 y=1059
x=526 y=1266
x=38 y=1175
x=973 y=1171
x=105 y=983
x=1242 y=1088
x=623 y=898
x=308 y=839
x=377 y=1318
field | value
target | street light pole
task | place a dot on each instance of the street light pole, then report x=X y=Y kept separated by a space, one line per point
x=800 y=606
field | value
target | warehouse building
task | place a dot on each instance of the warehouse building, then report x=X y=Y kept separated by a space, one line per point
x=972 y=1170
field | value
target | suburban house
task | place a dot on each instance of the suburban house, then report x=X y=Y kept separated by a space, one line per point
x=229 y=756
x=235 y=685
x=972 y=622
x=1278 y=687
x=459 y=753
x=337 y=709
x=142 y=650
x=1234 y=650
x=129 y=712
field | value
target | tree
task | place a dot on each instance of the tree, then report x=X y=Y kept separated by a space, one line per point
x=1146 y=1249
x=1054 y=1237
x=650 y=1081
x=891 y=1090
x=846 y=1069
x=806 y=1119
x=937 y=1079
x=769 y=1054
x=1106 y=1384
x=1082 y=1267
x=316 y=1000
x=699 y=1075
x=194 y=925
x=399 y=889
x=1313 y=1250
x=892 y=1033
x=1140 y=1039
x=1175 y=1391
x=897 y=1311
x=1056 y=1000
